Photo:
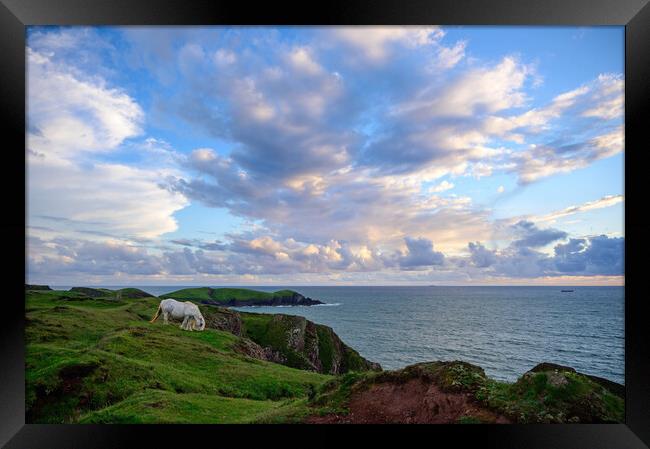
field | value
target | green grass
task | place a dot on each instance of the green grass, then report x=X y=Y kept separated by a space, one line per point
x=191 y=408
x=551 y=397
x=93 y=360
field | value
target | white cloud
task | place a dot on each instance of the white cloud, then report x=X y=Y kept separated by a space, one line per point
x=68 y=115
x=443 y=186
x=301 y=59
x=480 y=90
x=105 y=198
x=223 y=57
x=448 y=57
x=541 y=161
x=71 y=117
x=374 y=42
x=606 y=201
x=608 y=98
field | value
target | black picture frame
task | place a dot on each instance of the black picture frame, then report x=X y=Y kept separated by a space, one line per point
x=633 y=14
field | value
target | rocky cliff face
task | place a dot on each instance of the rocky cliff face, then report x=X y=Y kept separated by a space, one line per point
x=290 y=340
x=222 y=319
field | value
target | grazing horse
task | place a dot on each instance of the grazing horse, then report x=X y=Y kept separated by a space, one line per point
x=187 y=310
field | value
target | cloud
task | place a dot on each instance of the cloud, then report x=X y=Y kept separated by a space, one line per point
x=108 y=198
x=533 y=237
x=69 y=115
x=443 y=186
x=448 y=57
x=480 y=256
x=64 y=257
x=440 y=125
x=587 y=256
x=606 y=201
x=608 y=96
x=420 y=254
x=299 y=158
x=601 y=98
x=72 y=118
x=599 y=255
x=330 y=143
x=375 y=43
x=342 y=206
x=266 y=256
x=478 y=91
x=542 y=161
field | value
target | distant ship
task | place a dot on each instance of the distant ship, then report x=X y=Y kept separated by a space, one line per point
x=566 y=291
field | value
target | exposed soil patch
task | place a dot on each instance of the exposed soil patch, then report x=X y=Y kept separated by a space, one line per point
x=71 y=376
x=71 y=379
x=413 y=402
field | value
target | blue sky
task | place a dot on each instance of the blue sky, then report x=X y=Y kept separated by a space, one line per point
x=325 y=155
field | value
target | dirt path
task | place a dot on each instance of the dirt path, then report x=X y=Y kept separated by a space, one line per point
x=414 y=402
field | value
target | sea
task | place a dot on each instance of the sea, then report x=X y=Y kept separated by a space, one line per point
x=505 y=330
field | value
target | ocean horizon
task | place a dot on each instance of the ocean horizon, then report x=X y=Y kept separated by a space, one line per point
x=505 y=330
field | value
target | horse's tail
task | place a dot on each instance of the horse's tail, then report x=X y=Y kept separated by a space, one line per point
x=155 y=317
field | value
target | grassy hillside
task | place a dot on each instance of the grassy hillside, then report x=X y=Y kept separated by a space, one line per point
x=223 y=294
x=239 y=296
x=97 y=360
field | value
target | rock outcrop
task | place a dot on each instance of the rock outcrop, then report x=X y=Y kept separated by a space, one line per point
x=290 y=340
x=613 y=387
x=458 y=392
x=222 y=319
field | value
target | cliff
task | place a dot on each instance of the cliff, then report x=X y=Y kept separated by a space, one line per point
x=290 y=340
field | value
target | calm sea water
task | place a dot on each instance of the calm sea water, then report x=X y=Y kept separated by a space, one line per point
x=505 y=330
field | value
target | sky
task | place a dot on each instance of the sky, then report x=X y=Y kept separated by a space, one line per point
x=456 y=155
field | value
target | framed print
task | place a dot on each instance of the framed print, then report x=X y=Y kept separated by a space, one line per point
x=369 y=218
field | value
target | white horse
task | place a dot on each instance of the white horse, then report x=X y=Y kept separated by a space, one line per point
x=187 y=310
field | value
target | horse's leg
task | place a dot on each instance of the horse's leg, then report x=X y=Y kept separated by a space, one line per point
x=190 y=324
x=165 y=317
x=184 y=324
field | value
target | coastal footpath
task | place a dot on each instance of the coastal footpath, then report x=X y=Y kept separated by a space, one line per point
x=93 y=357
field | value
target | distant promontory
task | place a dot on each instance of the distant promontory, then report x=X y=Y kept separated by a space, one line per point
x=241 y=297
